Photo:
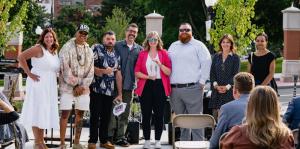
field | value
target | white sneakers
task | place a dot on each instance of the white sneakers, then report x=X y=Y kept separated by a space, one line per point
x=147 y=144
x=157 y=144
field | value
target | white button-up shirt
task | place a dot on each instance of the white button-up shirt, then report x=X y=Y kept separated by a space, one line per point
x=190 y=62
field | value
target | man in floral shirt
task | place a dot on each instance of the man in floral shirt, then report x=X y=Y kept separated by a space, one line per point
x=103 y=90
x=77 y=72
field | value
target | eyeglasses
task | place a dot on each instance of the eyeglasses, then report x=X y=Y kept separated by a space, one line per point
x=152 y=39
x=132 y=31
x=83 y=33
x=185 y=30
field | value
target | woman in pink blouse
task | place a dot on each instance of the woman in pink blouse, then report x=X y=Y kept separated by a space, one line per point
x=152 y=70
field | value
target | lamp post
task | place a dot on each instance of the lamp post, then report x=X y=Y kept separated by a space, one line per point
x=209 y=4
x=38 y=30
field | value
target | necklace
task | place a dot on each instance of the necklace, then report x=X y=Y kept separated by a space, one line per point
x=79 y=57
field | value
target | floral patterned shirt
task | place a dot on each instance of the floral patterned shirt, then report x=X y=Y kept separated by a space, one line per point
x=76 y=66
x=105 y=84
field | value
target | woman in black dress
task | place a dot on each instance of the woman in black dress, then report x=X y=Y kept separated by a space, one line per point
x=262 y=63
x=225 y=65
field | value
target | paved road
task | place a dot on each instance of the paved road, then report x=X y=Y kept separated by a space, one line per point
x=286 y=96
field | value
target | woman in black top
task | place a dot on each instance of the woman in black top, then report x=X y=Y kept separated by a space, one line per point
x=7 y=113
x=225 y=64
x=262 y=62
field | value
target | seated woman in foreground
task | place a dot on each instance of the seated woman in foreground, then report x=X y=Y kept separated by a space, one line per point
x=263 y=127
x=7 y=112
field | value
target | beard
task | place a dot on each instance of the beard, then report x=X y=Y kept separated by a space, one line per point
x=185 y=37
x=109 y=46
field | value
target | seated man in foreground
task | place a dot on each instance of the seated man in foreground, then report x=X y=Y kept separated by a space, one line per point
x=232 y=113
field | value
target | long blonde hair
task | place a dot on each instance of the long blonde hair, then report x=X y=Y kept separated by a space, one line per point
x=263 y=122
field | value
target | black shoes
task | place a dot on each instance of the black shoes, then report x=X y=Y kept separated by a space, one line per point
x=122 y=142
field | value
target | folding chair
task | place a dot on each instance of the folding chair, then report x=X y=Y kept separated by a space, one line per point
x=192 y=121
x=295 y=134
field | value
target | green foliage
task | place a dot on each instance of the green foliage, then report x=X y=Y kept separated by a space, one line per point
x=117 y=23
x=133 y=11
x=234 y=17
x=269 y=17
x=15 y=21
x=70 y=17
x=37 y=17
x=174 y=12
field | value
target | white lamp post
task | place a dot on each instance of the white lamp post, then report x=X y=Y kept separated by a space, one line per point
x=38 y=30
x=209 y=3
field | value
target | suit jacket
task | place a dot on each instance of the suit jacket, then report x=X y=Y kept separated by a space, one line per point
x=231 y=114
x=292 y=116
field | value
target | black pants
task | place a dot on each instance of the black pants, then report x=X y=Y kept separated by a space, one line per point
x=153 y=98
x=100 y=111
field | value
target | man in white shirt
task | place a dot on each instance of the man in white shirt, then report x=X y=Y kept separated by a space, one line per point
x=191 y=62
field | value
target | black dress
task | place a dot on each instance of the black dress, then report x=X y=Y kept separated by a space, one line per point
x=260 y=66
x=222 y=73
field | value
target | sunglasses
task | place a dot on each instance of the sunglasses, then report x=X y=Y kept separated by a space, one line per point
x=185 y=30
x=83 y=33
x=152 y=39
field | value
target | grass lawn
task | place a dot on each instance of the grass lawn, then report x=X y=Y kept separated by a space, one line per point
x=278 y=65
x=2 y=82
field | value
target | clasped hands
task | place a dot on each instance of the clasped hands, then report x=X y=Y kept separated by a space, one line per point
x=78 y=90
x=221 y=89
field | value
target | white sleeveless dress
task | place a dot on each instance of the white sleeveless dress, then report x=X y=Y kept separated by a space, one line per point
x=40 y=108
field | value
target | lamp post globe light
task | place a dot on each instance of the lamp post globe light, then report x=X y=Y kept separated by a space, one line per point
x=210 y=3
x=38 y=30
x=208 y=22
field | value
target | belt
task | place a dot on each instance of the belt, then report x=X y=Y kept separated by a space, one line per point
x=182 y=85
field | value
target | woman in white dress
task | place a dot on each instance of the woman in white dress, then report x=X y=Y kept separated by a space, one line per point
x=40 y=109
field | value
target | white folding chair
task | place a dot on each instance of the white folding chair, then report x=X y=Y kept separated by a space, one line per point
x=192 y=121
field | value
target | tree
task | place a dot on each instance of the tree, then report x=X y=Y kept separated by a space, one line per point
x=269 y=17
x=134 y=10
x=117 y=23
x=37 y=16
x=15 y=21
x=174 y=12
x=70 y=17
x=234 y=17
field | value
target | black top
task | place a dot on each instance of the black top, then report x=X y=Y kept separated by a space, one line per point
x=260 y=66
x=6 y=118
x=223 y=73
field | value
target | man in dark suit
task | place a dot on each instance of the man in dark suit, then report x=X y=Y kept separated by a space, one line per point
x=233 y=112
x=292 y=116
